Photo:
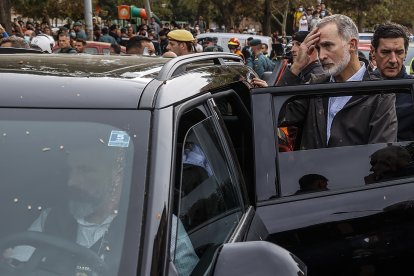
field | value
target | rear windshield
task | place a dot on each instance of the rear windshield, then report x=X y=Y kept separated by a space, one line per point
x=66 y=183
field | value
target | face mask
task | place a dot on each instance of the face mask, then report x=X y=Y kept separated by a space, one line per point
x=300 y=9
x=72 y=34
x=27 y=38
x=146 y=53
x=322 y=14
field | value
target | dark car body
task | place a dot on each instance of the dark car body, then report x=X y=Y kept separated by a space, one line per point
x=207 y=149
x=130 y=130
x=360 y=222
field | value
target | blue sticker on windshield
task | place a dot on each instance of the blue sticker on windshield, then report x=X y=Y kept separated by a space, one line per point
x=118 y=139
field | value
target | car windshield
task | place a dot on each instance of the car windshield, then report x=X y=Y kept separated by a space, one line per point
x=66 y=183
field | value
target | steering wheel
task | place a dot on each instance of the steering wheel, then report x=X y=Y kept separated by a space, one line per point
x=39 y=239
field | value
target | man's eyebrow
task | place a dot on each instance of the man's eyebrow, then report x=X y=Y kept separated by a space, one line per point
x=326 y=43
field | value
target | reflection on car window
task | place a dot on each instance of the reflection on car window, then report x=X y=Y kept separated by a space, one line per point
x=65 y=183
x=209 y=207
x=344 y=167
x=360 y=147
x=341 y=121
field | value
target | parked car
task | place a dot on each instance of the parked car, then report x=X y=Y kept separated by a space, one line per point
x=96 y=48
x=223 y=39
x=114 y=165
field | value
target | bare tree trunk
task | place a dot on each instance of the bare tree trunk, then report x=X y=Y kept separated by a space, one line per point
x=285 y=15
x=361 y=16
x=267 y=17
x=5 y=15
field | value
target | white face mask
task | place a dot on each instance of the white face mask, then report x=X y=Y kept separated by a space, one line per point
x=300 y=9
x=27 y=38
x=146 y=53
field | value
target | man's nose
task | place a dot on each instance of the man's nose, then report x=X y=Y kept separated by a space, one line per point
x=393 y=58
x=321 y=53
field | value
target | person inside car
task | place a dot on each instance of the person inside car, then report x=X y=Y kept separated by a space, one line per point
x=90 y=215
x=86 y=215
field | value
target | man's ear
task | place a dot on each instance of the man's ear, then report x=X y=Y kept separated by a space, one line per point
x=353 y=45
x=372 y=51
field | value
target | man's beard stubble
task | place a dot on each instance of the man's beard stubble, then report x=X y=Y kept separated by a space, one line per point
x=337 y=69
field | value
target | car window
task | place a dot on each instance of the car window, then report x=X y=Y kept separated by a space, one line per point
x=91 y=50
x=360 y=149
x=66 y=180
x=209 y=206
x=106 y=51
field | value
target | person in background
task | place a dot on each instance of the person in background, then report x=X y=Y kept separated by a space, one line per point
x=106 y=37
x=265 y=50
x=14 y=41
x=234 y=47
x=181 y=42
x=258 y=61
x=297 y=16
x=64 y=44
x=155 y=26
x=330 y=121
x=140 y=45
x=80 y=45
x=115 y=49
x=389 y=48
x=77 y=27
x=114 y=32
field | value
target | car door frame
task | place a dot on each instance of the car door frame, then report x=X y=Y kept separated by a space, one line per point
x=271 y=206
x=249 y=220
x=264 y=108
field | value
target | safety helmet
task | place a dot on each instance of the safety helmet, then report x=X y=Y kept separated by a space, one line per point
x=234 y=41
x=44 y=42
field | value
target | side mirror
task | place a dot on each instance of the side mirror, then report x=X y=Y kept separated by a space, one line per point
x=257 y=258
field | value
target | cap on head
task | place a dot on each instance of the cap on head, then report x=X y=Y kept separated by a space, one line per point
x=300 y=36
x=77 y=23
x=180 y=35
x=255 y=42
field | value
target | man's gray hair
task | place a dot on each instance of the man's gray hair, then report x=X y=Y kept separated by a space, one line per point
x=346 y=26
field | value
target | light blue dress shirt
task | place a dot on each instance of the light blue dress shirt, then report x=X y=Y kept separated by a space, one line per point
x=335 y=104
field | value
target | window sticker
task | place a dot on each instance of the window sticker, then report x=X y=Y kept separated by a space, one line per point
x=119 y=139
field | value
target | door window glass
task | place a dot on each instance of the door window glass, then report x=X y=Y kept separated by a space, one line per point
x=209 y=205
x=334 y=143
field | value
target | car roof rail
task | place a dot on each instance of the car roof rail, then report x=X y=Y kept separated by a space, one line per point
x=176 y=65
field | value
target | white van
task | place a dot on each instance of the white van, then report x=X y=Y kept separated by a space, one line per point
x=223 y=39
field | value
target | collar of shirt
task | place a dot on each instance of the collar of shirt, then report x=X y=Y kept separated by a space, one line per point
x=335 y=104
x=89 y=233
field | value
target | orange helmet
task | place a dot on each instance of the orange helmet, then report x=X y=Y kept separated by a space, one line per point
x=234 y=41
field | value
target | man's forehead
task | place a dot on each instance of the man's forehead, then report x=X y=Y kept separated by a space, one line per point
x=397 y=43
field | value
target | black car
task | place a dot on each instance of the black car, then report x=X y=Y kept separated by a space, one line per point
x=121 y=165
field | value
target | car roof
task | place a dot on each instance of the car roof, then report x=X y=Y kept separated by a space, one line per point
x=90 y=81
x=78 y=65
